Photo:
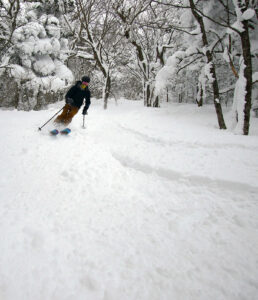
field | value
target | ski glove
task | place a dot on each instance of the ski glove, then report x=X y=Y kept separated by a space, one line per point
x=84 y=112
x=69 y=101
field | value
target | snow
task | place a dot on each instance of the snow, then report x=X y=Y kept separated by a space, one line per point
x=239 y=100
x=162 y=78
x=43 y=47
x=42 y=57
x=55 y=84
x=186 y=18
x=52 y=28
x=254 y=46
x=44 y=65
x=40 y=50
x=63 y=72
x=208 y=73
x=248 y=14
x=191 y=50
x=149 y=204
x=255 y=76
x=56 y=46
x=196 y=31
x=32 y=16
x=226 y=55
x=238 y=26
x=84 y=55
x=53 y=31
x=168 y=70
x=52 y=20
x=18 y=72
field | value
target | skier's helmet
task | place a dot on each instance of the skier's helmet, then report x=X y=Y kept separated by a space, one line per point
x=85 y=79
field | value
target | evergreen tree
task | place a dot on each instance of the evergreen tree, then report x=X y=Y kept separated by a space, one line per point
x=36 y=62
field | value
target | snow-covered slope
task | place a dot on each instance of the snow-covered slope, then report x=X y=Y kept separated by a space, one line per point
x=148 y=204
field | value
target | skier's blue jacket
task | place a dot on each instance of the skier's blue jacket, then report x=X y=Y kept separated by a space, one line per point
x=78 y=95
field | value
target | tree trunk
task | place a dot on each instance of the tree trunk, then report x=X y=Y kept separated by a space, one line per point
x=144 y=67
x=245 y=40
x=106 y=90
x=199 y=97
x=156 y=101
x=216 y=100
x=147 y=94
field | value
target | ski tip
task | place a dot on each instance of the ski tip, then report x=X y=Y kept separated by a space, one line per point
x=66 y=131
x=54 y=132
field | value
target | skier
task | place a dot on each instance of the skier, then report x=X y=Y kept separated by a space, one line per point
x=74 y=100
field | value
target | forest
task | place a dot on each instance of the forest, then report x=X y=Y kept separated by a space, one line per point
x=185 y=51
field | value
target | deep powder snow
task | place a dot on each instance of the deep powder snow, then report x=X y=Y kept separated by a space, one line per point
x=148 y=204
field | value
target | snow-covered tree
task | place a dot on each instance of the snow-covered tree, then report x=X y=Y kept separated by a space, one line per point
x=209 y=69
x=98 y=37
x=223 y=31
x=9 y=11
x=197 y=53
x=142 y=26
x=36 y=60
x=238 y=20
x=245 y=12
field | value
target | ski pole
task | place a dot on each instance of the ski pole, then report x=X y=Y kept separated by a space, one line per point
x=83 y=121
x=50 y=119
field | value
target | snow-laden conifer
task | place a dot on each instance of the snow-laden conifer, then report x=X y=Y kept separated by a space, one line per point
x=36 y=62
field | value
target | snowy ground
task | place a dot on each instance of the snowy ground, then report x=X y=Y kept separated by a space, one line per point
x=144 y=204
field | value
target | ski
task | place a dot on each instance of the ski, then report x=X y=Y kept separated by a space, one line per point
x=54 y=132
x=65 y=131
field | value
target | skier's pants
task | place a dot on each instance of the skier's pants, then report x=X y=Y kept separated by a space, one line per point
x=67 y=114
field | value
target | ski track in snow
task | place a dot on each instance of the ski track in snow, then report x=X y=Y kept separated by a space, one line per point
x=164 y=143
x=182 y=179
x=164 y=207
